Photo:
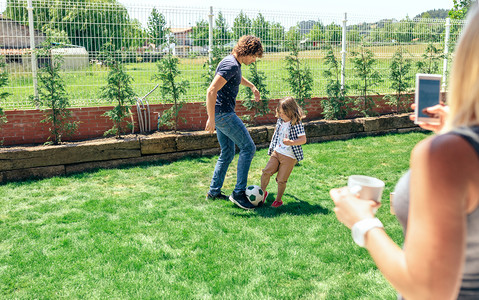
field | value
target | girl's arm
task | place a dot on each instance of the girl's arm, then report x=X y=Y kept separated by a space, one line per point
x=299 y=141
x=431 y=264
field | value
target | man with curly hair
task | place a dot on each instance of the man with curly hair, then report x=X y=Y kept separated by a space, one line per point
x=230 y=130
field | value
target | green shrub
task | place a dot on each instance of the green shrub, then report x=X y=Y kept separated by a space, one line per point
x=171 y=90
x=337 y=104
x=260 y=108
x=401 y=80
x=53 y=98
x=117 y=90
x=3 y=95
x=364 y=65
x=300 y=78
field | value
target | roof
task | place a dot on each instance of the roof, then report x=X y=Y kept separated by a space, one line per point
x=181 y=30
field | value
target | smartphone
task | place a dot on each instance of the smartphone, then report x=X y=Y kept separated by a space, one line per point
x=428 y=93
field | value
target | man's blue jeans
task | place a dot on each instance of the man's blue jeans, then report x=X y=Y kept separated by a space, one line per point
x=230 y=130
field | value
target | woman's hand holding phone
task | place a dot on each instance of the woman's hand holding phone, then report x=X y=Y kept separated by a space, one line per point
x=440 y=110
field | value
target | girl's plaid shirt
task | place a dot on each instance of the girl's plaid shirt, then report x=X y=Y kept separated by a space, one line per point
x=294 y=132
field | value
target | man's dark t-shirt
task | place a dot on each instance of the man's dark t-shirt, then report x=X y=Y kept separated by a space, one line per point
x=230 y=69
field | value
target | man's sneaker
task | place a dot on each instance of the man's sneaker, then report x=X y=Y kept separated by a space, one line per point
x=241 y=200
x=220 y=196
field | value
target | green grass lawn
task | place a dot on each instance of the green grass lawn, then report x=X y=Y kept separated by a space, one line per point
x=147 y=232
x=84 y=85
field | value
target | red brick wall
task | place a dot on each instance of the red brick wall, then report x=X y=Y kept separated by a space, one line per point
x=24 y=126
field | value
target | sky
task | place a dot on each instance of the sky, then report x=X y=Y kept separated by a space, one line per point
x=382 y=9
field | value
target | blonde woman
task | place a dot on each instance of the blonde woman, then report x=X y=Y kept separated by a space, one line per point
x=436 y=201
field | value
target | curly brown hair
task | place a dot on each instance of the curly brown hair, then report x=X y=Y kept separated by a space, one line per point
x=248 y=45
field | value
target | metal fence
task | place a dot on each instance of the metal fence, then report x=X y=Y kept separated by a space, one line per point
x=143 y=34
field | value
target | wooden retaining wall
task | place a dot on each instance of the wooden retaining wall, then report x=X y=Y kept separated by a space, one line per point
x=20 y=163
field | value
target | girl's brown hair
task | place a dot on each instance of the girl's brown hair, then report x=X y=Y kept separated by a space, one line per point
x=248 y=45
x=291 y=109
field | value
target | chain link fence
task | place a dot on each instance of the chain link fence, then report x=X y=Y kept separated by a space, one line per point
x=142 y=35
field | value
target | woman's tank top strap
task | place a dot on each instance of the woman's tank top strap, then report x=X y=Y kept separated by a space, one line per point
x=470 y=134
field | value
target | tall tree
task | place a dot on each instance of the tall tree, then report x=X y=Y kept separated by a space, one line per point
x=88 y=23
x=200 y=33
x=460 y=9
x=315 y=35
x=333 y=34
x=261 y=29
x=241 y=26
x=157 y=29
x=221 y=34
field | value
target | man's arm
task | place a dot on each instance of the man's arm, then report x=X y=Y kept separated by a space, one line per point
x=217 y=83
x=255 y=91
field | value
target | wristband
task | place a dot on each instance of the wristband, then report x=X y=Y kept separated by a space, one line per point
x=360 y=228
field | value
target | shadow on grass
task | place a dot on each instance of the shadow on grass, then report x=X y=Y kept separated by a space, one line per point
x=298 y=207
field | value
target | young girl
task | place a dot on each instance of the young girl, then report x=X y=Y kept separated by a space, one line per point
x=285 y=147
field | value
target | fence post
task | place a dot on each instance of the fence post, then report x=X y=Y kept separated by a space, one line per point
x=343 y=51
x=210 y=36
x=446 y=51
x=32 y=47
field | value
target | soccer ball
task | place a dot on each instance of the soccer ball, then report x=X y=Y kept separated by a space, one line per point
x=254 y=194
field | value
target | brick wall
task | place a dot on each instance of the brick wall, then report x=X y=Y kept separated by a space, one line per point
x=24 y=126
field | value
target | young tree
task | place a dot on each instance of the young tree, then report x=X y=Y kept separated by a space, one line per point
x=364 y=66
x=431 y=59
x=337 y=104
x=299 y=78
x=3 y=95
x=401 y=80
x=118 y=90
x=53 y=98
x=241 y=26
x=218 y=54
x=171 y=89
x=258 y=78
x=157 y=29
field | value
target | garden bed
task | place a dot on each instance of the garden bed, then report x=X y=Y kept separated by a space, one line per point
x=23 y=162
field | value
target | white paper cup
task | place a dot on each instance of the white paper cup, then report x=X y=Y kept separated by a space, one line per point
x=367 y=187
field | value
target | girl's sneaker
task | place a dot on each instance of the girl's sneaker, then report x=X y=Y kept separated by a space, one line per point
x=264 y=198
x=277 y=203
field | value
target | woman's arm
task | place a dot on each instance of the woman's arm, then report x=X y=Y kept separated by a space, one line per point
x=430 y=266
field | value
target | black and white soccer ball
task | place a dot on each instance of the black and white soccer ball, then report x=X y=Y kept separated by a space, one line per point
x=254 y=194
